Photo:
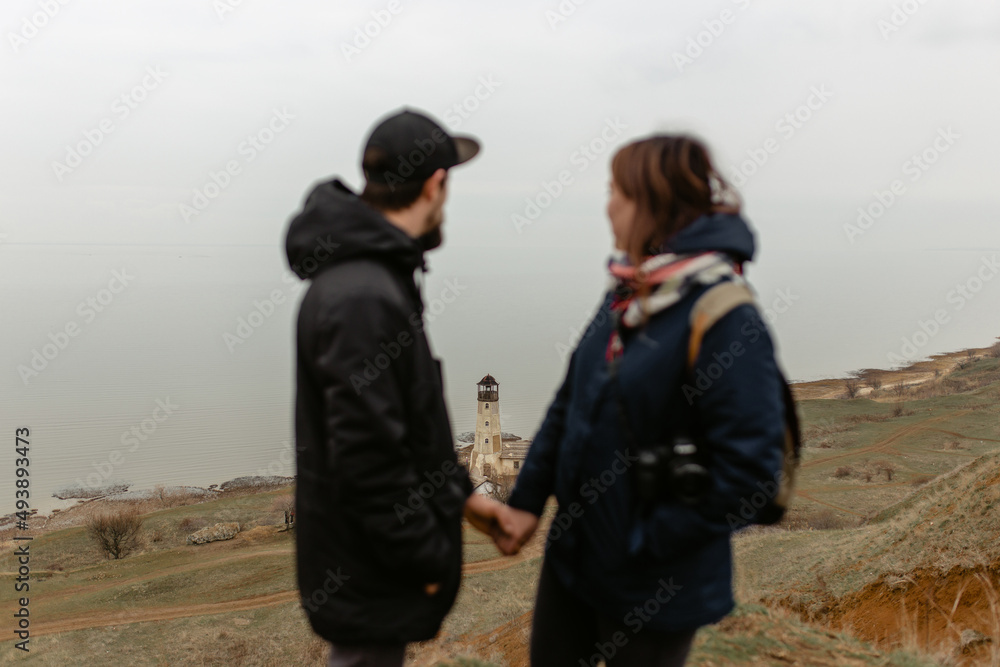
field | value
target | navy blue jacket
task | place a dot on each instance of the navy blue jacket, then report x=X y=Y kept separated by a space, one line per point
x=665 y=566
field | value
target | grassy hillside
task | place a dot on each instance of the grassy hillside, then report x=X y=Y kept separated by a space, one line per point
x=864 y=454
x=235 y=603
x=916 y=561
x=906 y=483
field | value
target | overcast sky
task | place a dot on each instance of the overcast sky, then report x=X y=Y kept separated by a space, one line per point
x=556 y=83
x=122 y=118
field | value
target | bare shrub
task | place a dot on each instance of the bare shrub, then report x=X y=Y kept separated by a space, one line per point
x=899 y=388
x=501 y=487
x=852 y=386
x=995 y=351
x=885 y=468
x=970 y=353
x=897 y=410
x=116 y=534
x=875 y=382
x=843 y=472
x=953 y=445
x=285 y=505
x=920 y=481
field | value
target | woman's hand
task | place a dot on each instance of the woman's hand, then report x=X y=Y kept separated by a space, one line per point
x=515 y=527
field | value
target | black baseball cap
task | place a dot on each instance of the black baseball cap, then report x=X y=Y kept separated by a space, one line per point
x=408 y=147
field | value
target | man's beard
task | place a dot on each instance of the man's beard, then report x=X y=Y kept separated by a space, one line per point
x=430 y=240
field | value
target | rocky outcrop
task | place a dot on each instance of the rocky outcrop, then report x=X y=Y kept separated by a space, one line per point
x=220 y=531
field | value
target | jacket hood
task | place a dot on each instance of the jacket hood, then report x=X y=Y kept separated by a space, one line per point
x=334 y=226
x=725 y=232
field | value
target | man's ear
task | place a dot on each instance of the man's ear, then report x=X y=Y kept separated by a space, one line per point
x=434 y=184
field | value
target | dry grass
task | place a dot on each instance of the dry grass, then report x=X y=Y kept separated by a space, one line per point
x=867 y=471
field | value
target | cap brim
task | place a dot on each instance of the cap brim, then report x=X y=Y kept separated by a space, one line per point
x=467 y=148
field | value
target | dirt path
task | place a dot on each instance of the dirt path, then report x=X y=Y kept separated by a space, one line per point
x=884 y=444
x=177 y=569
x=96 y=620
x=962 y=437
x=100 y=620
x=834 y=488
x=533 y=549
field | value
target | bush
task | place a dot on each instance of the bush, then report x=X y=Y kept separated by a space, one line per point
x=117 y=534
x=501 y=487
x=843 y=472
x=886 y=468
x=285 y=505
x=995 y=351
x=852 y=386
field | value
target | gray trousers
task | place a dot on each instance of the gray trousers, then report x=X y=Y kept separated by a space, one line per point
x=344 y=655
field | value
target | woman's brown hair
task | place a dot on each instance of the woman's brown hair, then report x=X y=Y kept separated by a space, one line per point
x=672 y=180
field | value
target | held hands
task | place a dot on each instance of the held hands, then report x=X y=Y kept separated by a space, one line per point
x=516 y=528
x=510 y=528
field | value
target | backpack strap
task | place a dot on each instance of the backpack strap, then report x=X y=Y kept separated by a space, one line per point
x=710 y=307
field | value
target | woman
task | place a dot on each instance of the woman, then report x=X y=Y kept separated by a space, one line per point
x=633 y=566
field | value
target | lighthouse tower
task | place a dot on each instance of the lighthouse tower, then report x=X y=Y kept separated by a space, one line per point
x=485 y=459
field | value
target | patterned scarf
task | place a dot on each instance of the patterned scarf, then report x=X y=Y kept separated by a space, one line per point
x=657 y=283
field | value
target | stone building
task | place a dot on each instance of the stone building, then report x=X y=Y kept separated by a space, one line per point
x=512 y=456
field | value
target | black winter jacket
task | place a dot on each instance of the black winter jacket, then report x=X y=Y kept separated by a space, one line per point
x=379 y=493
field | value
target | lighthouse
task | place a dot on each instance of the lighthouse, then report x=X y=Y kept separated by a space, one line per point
x=485 y=458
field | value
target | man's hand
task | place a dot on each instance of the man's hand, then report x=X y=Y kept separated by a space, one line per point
x=515 y=527
x=482 y=513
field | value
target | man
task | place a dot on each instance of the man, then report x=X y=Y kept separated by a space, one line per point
x=379 y=493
